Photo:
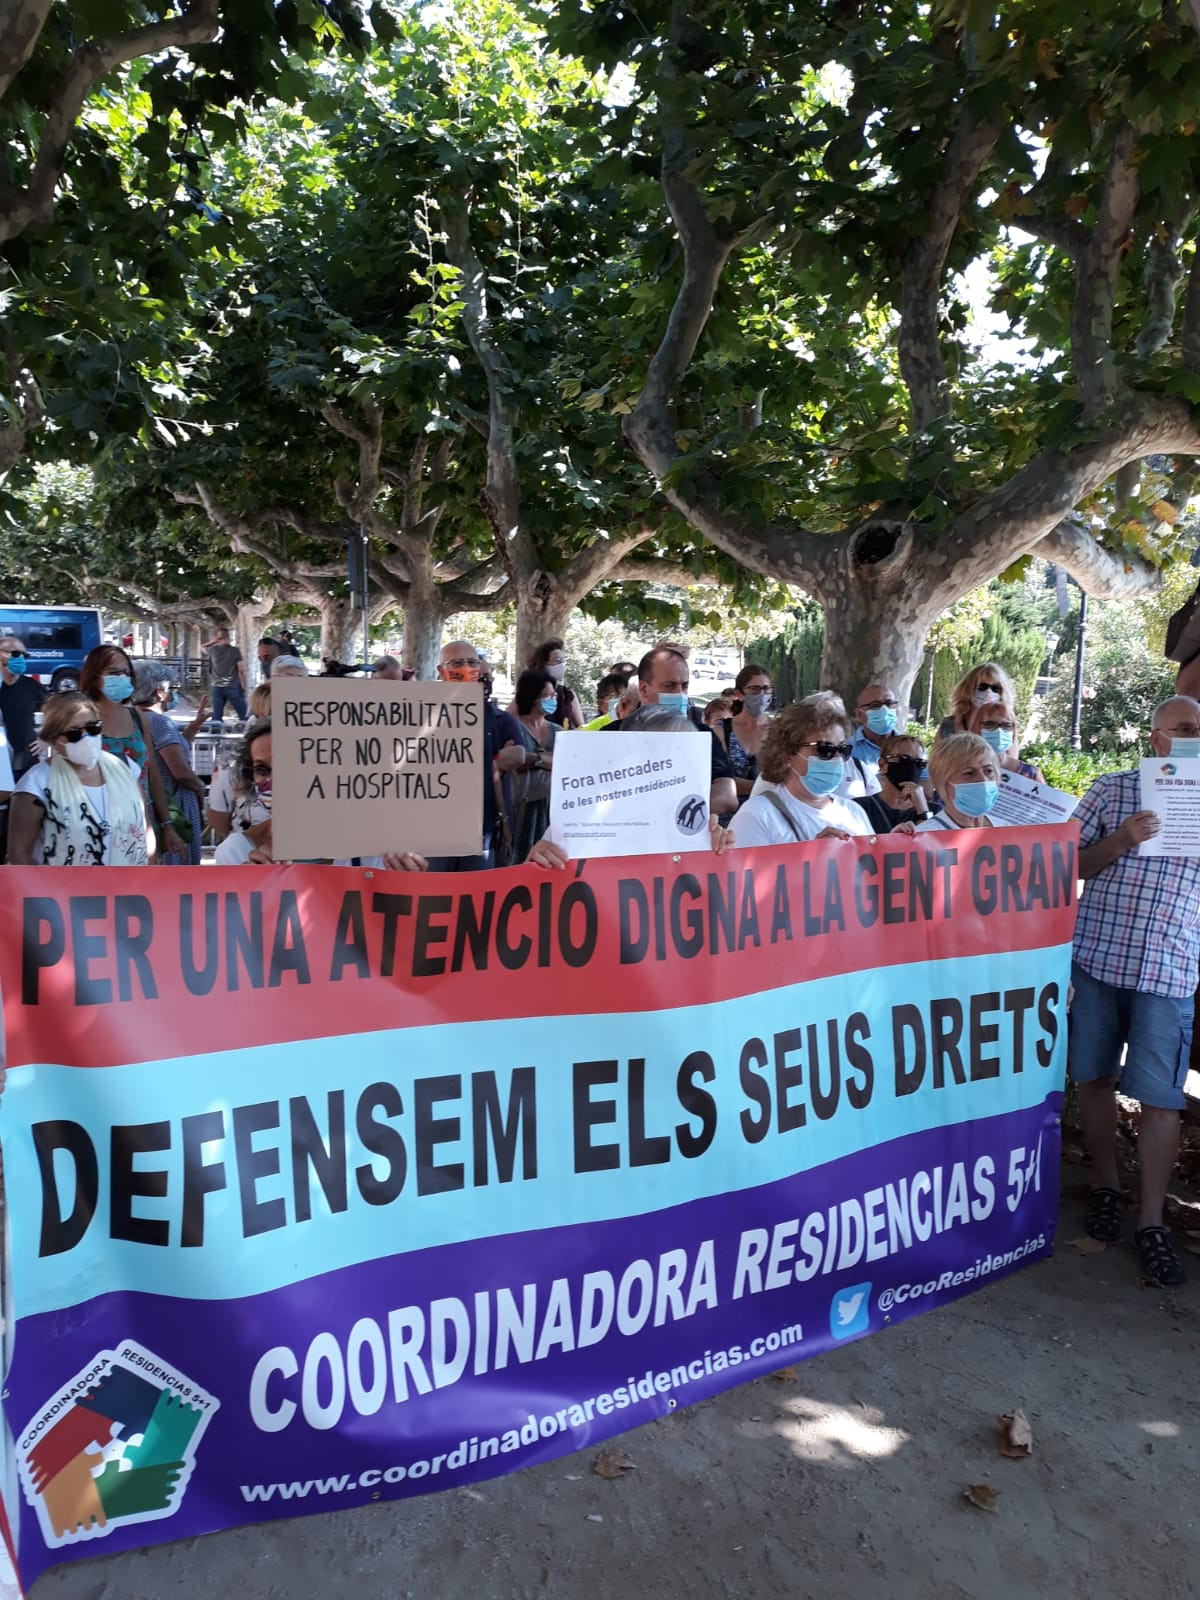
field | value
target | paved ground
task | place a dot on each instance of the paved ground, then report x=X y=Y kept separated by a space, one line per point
x=848 y=1478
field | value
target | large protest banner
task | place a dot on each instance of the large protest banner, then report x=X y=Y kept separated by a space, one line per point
x=329 y=1185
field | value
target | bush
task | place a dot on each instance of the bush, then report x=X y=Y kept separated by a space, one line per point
x=1074 y=771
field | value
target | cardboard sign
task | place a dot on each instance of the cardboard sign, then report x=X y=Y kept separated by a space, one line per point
x=631 y=794
x=1022 y=802
x=1171 y=787
x=364 y=767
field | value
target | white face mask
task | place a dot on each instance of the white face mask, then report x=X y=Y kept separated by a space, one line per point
x=556 y=670
x=84 y=752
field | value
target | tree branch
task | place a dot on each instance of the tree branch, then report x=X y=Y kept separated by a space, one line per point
x=502 y=489
x=20 y=28
x=918 y=345
x=1190 y=335
x=198 y=23
x=1096 y=570
x=653 y=569
x=1097 y=270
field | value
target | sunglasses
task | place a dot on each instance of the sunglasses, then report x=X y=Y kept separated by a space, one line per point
x=989 y=688
x=91 y=729
x=828 y=751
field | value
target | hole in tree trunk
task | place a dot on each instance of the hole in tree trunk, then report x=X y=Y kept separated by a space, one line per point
x=875 y=542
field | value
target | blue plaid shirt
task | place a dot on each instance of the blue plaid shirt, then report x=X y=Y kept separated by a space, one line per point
x=1139 y=919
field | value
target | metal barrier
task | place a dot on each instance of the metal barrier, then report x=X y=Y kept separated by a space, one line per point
x=212 y=751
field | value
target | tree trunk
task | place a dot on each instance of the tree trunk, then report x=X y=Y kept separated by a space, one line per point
x=341 y=630
x=544 y=608
x=252 y=617
x=869 y=642
x=422 y=630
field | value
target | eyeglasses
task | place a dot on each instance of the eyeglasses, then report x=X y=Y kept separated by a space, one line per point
x=260 y=769
x=878 y=705
x=463 y=661
x=826 y=750
x=991 y=726
x=1184 y=730
x=91 y=729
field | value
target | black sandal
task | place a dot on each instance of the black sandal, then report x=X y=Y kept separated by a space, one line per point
x=1161 y=1267
x=1106 y=1207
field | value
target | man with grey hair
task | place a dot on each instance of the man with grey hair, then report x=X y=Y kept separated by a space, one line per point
x=1137 y=945
x=288 y=667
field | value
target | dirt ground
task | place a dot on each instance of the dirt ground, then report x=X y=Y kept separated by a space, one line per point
x=847 y=1479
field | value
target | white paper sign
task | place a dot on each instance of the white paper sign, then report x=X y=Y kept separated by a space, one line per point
x=1023 y=803
x=630 y=794
x=1171 y=787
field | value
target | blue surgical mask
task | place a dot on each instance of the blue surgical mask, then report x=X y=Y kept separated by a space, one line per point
x=882 y=719
x=1187 y=749
x=117 y=686
x=676 y=702
x=975 y=799
x=1000 y=739
x=173 y=699
x=822 y=777
x=757 y=701
x=17 y=665
x=549 y=704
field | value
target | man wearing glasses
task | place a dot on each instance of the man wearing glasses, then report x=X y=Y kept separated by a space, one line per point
x=503 y=752
x=1137 y=948
x=21 y=698
x=876 y=714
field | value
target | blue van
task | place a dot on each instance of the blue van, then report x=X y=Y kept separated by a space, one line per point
x=56 y=640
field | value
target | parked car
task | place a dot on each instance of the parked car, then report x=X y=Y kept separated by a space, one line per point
x=56 y=640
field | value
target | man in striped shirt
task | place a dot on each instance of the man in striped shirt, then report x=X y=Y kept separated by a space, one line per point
x=1137 y=945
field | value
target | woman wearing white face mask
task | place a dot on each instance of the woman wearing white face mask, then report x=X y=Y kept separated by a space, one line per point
x=550 y=659
x=985 y=685
x=81 y=807
x=803 y=760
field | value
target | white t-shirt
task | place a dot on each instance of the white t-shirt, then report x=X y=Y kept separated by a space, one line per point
x=6 y=771
x=943 y=822
x=234 y=851
x=858 y=782
x=758 y=822
x=122 y=846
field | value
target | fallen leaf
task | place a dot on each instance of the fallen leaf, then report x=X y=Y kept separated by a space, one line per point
x=1016 y=1436
x=612 y=1464
x=1089 y=1247
x=786 y=1375
x=982 y=1495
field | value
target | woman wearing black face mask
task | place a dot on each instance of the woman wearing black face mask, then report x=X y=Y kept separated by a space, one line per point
x=903 y=800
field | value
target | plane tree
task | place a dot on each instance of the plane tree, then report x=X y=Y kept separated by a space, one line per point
x=932 y=298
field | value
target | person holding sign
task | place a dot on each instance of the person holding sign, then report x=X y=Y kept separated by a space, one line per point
x=801 y=765
x=966 y=775
x=253 y=847
x=1137 y=948
x=663 y=677
x=996 y=725
x=503 y=753
x=81 y=807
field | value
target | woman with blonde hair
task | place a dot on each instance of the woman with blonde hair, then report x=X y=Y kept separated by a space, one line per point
x=80 y=807
x=985 y=685
x=966 y=774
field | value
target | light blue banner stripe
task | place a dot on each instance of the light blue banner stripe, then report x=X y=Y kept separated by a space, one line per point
x=229 y=1265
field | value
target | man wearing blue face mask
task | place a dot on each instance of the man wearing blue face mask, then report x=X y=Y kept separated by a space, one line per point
x=663 y=679
x=21 y=698
x=876 y=715
x=1137 y=946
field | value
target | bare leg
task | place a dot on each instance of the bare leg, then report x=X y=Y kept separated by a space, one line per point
x=1158 y=1145
x=1098 y=1118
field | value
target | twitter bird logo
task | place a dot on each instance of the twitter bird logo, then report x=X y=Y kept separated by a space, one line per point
x=850 y=1311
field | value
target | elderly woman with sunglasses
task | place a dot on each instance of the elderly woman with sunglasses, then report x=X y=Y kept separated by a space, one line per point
x=80 y=807
x=985 y=685
x=801 y=763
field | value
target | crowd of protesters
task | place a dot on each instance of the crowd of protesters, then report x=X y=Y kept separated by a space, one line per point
x=103 y=776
